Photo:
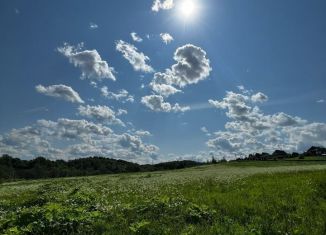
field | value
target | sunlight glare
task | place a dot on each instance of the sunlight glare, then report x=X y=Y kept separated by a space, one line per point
x=187 y=8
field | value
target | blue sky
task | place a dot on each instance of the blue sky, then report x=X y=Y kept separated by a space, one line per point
x=229 y=77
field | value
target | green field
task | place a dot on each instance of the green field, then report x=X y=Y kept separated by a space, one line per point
x=231 y=198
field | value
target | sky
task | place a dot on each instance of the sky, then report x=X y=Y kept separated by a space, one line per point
x=160 y=80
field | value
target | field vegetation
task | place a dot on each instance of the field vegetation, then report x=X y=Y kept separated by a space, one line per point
x=279 y=197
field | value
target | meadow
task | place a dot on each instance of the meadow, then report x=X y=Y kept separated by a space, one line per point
x=281 y=197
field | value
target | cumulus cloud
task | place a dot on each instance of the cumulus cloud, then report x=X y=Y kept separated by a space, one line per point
x=60 y=91
x=157 y=104
x=89 y=61
x=250 y=130
x=137 y=59
x=192 y=66
x=135 y=144
x=236 y=105
x=67 y=138
x=223 y=141
x=259 y=97
x=135 y=37
x=164 y=89
x=162 y=5
x=72 y=129
x=122 y=95
x=100 y=113
x=320 y=101
x=166 y=38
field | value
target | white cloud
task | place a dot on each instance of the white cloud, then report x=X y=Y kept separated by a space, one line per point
x=192 y=66
x=177 y=108
x=320 y=101
x=283 y=119
x=60 y=91
x=259 y=97
x=166 y=38
x=162 y=5
x=122 y=95
x=250 y=130
x=93 y=25
x=157 y=104
x=100 y=113
x=204 y=129
x=142 y=133
x=67 y=139
x=236 y=105
x=89 y=62
x=244 y=90
x=136 y=59
x=121 y=112
x=135 y=144
x=135 y=37
x=93 y=84
x=164 y=89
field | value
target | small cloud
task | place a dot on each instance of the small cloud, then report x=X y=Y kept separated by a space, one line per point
x=93 y=84
x=166 y=38
x=135 y=37
x=259 y=97
x=241 y=88
x=122 y=95
x=244 y=90
x=320 y=101
x=143 y=133
x=93 y=25
x=204 y=129
x=137 y=59
x=156 y=103
x=100 y=113
x=92 y=66
x=17 y=11
x=121 y=112
x=163 y=89
x=162 y=5
x=60 y=91
x=37 y=109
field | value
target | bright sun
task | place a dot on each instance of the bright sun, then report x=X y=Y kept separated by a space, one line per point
x=187 y=8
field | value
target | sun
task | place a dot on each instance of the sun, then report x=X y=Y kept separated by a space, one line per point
x=187 y=8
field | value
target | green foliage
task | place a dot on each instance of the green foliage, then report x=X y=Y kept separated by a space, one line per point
x=215 y=199
x=15 y=168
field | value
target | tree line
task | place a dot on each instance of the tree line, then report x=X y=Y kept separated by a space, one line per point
x=40 y=167
x=280 y=154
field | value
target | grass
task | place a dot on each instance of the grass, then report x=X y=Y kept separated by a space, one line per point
x=308 y=158
x=234 y=198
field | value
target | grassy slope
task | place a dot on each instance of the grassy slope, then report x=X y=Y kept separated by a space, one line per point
x=236 y=198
